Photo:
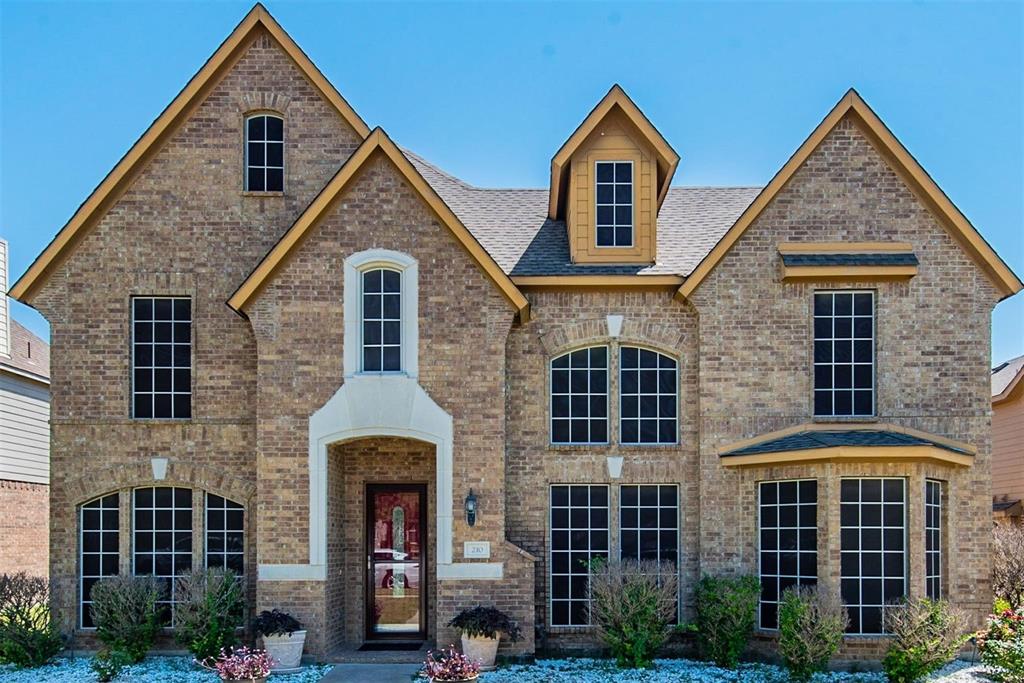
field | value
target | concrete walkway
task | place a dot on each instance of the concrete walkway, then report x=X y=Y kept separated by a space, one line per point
x=372 y=673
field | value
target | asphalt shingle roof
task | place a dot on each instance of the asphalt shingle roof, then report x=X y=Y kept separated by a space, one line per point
x=1004 y=373
x=849 y=259
x=29 y=353
x=512 y=225
x=802 y=441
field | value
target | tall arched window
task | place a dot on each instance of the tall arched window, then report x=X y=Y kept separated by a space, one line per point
x=579 y=396
x=99 y=549
x=382 y=320
x=648 y=395
x=381 y=300
x=264 y=153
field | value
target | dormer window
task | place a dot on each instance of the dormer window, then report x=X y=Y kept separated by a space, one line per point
x=264 y=153
x=614 y=184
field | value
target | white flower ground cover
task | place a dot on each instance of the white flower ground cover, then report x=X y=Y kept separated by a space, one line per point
x=153 y=670
x=686 y=671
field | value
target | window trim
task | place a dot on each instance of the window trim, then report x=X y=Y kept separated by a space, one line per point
x=852 y=417
x=352 y=348
x=632 y=206
x=191 y=357
x=257 y=113
x=607 y=397
x=678 y=396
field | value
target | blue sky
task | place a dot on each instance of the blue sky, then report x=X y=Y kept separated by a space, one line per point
x=490 y=91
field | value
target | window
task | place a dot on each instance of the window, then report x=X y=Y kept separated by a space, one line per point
x=647 y=396
x=382 y=320
x=579 y=533
x=225 y=534
x=933 y=538
x=844 y=354
x=579 y=396
x=649 y=525
x=872 y=521
x=163 y=539
x=264 y=153
x=99 y=548
x=788 y=520
x=614 y=186
x=161 y=357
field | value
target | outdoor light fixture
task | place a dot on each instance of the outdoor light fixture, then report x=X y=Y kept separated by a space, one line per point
x=471 y=508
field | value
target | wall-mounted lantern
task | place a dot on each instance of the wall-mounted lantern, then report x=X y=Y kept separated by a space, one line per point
x=471 y=508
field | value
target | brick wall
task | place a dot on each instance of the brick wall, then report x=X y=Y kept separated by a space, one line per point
x=24 y=528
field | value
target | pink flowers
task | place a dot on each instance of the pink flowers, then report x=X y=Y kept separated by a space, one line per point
x=240 y=664
x=450 y=665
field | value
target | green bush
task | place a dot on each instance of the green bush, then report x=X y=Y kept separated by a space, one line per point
x=1002 y=643
x=107 y=664
x=726 y=612
x=124 y=609
x=29 y=636
x=812 y=621
x=632 y=606
x=926 y=635
x=208 y=612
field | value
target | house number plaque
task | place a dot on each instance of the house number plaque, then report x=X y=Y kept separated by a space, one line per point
x=476 y=549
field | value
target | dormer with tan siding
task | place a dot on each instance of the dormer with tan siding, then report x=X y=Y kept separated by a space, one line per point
x=608 y=182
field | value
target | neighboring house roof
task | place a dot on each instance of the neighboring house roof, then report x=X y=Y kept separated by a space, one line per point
x=902 y=162
x=378 y=140
x=30 y=355
x=178 y=110
x=1006 y=379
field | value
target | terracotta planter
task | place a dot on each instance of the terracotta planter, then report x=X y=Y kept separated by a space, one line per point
x=481 y=650
x=286 y=650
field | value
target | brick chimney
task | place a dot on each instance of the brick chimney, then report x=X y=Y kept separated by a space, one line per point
x=5 y=308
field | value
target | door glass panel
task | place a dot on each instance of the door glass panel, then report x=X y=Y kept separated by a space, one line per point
x=396 y=560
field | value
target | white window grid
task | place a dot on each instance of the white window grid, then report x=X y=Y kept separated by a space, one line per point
x=225 y=534
x=844 y=353
x=162 y=539
x=614 y=197
x=933 y=538
x=648 y=397
x=787 y=516
x=579 y=397
x=264 y=154
x=161 y=357
x=579 y=526
x=381 y=330
x=99 y=548
x=883 y=531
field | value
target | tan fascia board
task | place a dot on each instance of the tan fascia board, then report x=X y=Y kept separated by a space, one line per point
x=378 y=140
x=194 y=92
x=834 y=454
x=901 y=161
x=1013 y=390
x=844 y=247
x=615 y=97
x=843 y=427
x=592 y=282
x=833 y=273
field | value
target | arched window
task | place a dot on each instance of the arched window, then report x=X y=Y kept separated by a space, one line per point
x=264 y=153
x=649 y=397
x=579 y=396
x=381 y=320
x=99 y=549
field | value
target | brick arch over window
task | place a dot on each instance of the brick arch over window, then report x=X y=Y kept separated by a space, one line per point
x=667 y=339
x=263 y=103
x=116 y=477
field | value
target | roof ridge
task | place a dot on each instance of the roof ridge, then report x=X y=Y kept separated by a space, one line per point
x=437 y=169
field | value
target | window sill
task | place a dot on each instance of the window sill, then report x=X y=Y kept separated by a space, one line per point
x=843 y=419
x=249 y=193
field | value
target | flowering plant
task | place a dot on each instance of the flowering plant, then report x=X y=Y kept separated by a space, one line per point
x=1002 y=643
x=450 y=665
x=239 y=664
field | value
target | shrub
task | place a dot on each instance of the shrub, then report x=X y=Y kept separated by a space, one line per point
x=812 y=621
x=449 y=665
x=29 y=636
x=632 y=607
x=1008 y=564
x=125 y=612
x=485 y=622
x=275 y=623
x=1002 y=643
x=107 y=664
x=926 y=635
x=726 y=612
x=208 y=611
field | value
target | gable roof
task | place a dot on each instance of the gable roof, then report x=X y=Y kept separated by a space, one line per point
x=902 y=162
x=178 y=110
x=668 y=159
x=30 y=355
x=1006 y=379
x=377 y=140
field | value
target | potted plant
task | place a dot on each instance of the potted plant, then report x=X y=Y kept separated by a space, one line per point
x=240 y=664
x=481 y=632
x=450 y=665
x=283 y=638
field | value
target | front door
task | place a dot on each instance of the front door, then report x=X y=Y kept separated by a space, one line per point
x=396 y=536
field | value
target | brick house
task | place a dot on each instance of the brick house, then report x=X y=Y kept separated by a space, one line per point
x=24 y=442
x=790 y=381
x=1008 y=440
